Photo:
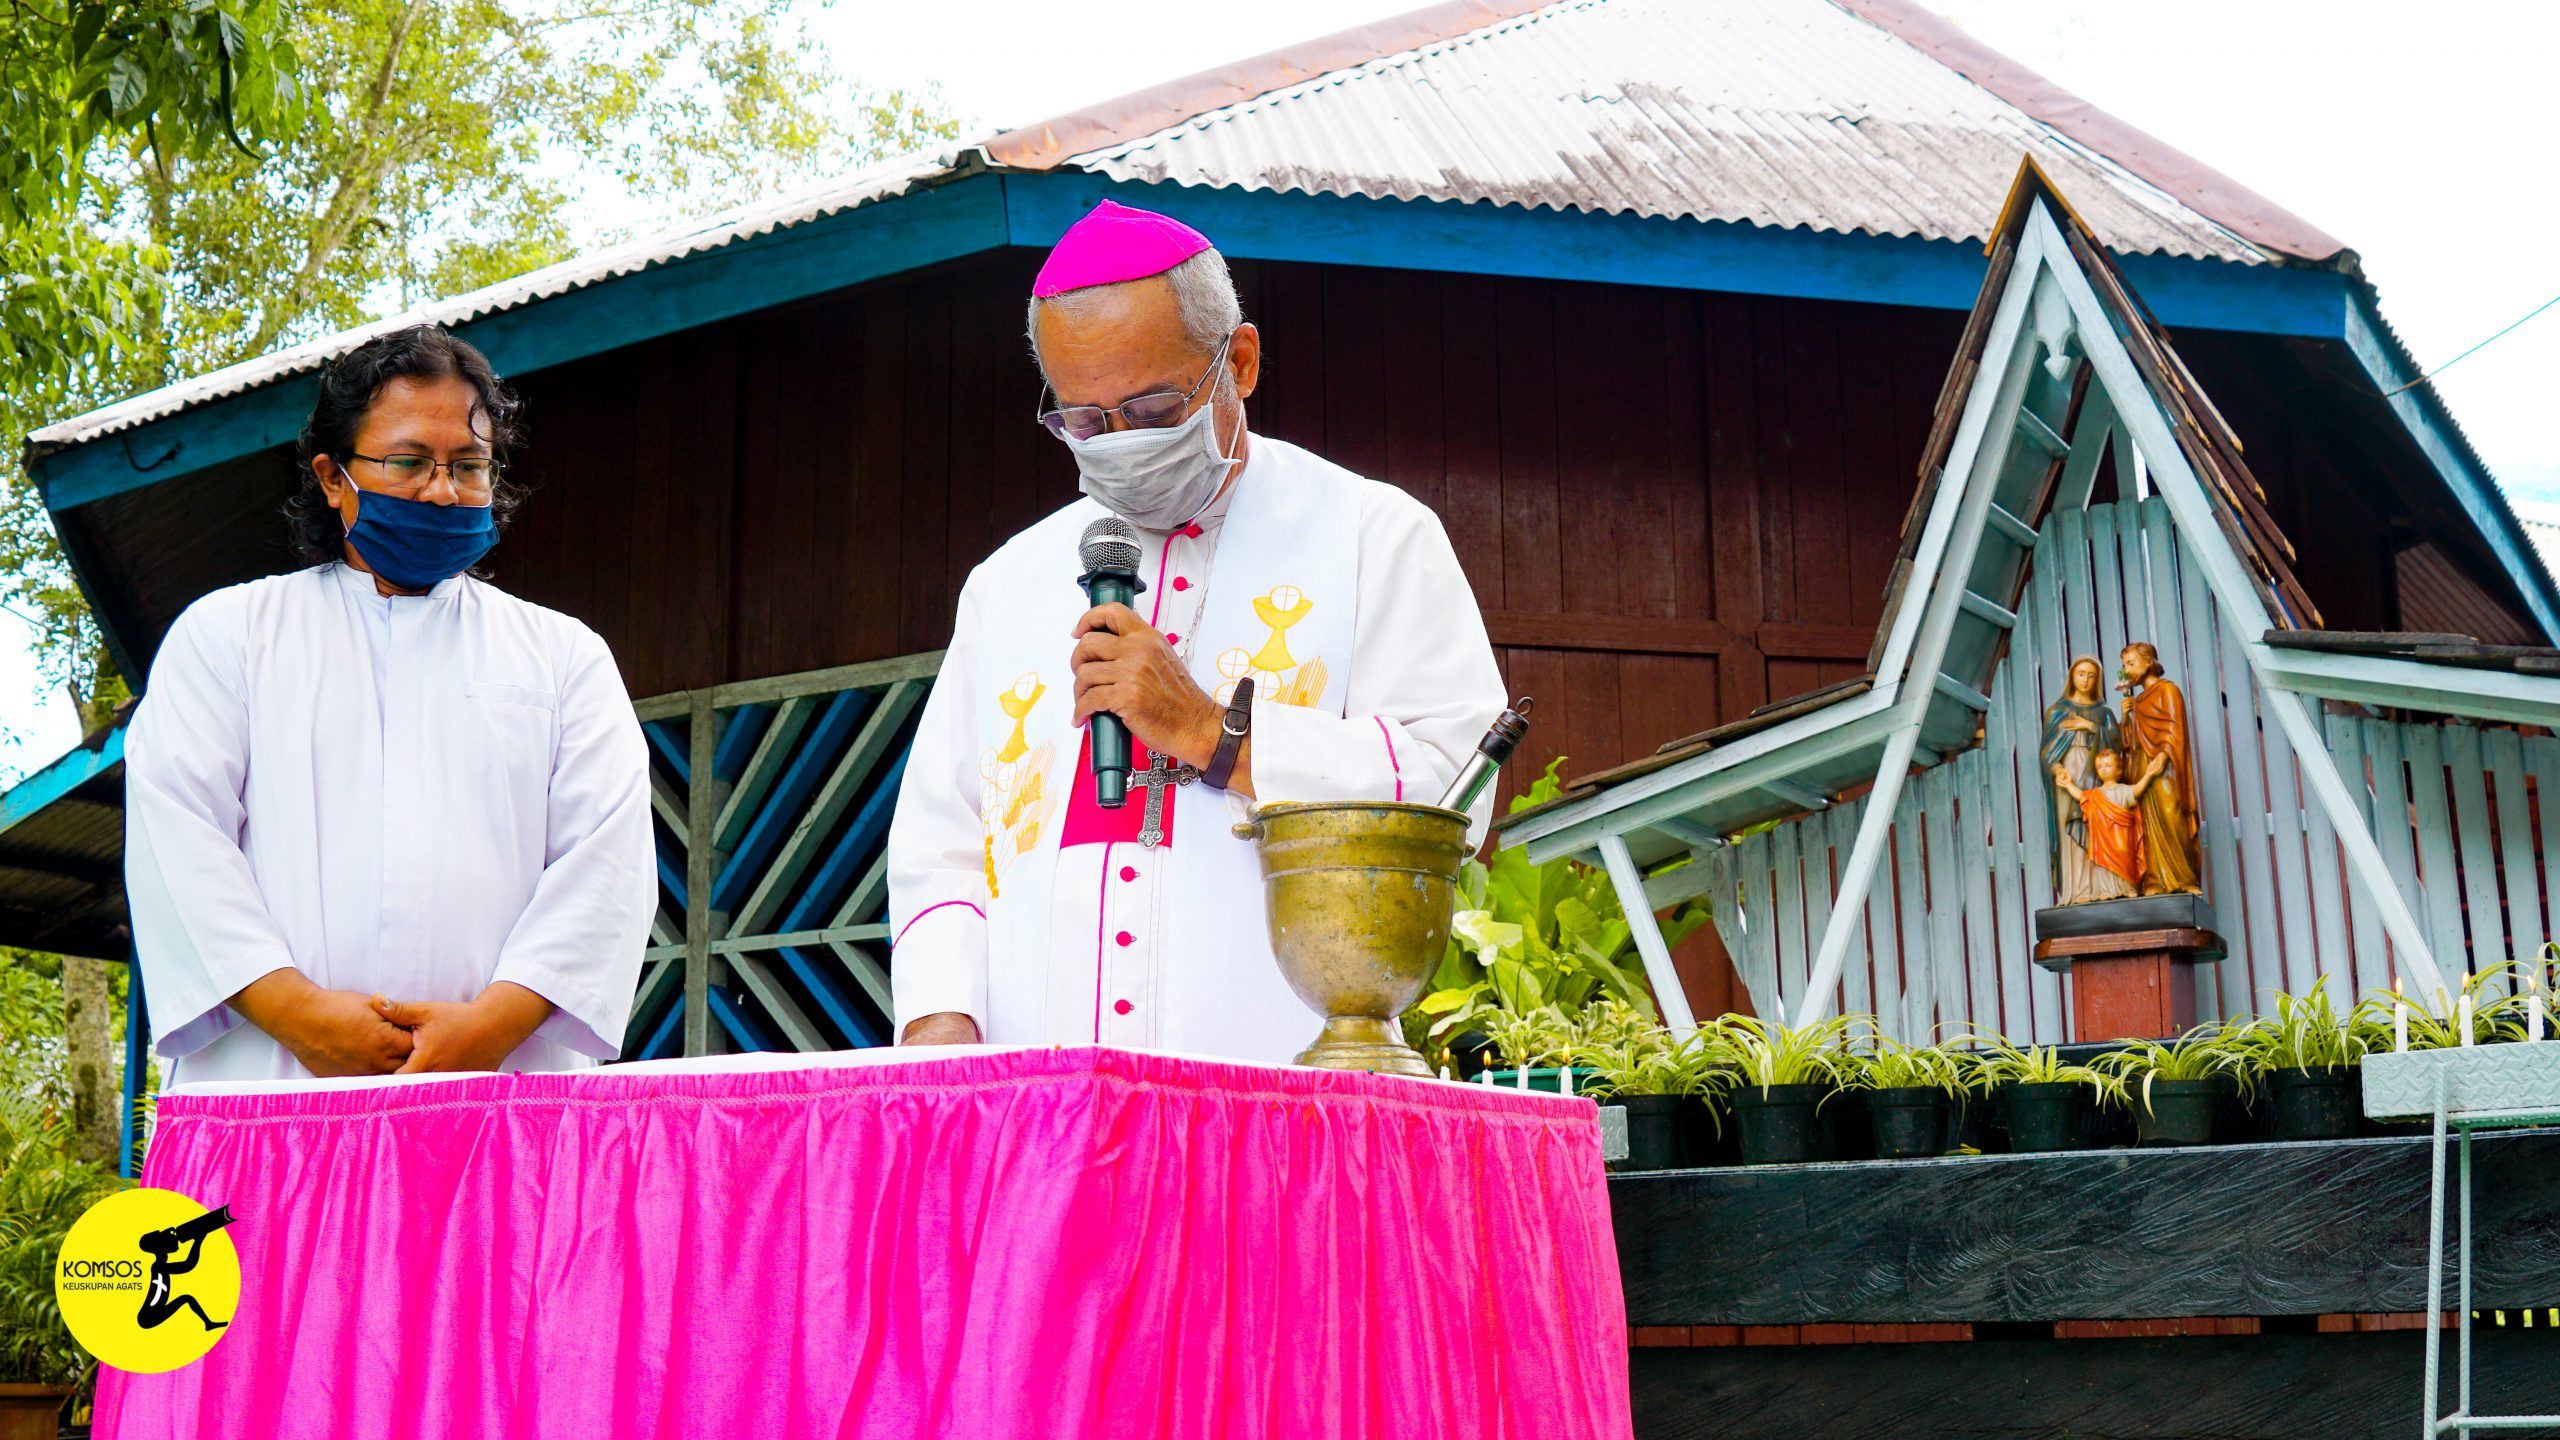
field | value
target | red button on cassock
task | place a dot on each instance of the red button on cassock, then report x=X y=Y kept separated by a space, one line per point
x=1122 y=1007
x=1125 y=938
x=1128 y=872
x=1181 y=582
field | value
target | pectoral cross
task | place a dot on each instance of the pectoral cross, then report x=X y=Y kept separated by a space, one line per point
x=1158 y=779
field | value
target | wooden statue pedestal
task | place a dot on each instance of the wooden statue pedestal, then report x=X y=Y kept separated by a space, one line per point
x=2130 y=962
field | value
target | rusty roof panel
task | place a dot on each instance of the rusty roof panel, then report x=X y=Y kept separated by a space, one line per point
x=1780 y=113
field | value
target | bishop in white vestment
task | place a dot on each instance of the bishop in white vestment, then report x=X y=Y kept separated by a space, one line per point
x=382 y=777
x=1022 y=912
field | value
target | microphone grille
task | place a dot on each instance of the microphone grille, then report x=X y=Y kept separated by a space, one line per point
x=1110 y=544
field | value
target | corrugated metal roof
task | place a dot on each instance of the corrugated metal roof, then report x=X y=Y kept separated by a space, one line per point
x=1781 y=113
x=880 y=182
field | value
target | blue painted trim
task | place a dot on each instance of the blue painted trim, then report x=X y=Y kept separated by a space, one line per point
x=137 y=1072
x=888 y=238
x=673 y=745
x=1481 y=239
x=2431 y=425
x=858 y=843
x=781 y=811
x=738 y=740
x=75 y=768
x=989 y=211
x=734 y=1019
x=660 y=1038
x=832 y=998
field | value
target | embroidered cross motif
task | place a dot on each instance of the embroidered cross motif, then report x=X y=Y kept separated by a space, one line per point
x=1157 y=779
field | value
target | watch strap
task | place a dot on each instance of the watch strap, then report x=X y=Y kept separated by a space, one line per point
x=1232 y=728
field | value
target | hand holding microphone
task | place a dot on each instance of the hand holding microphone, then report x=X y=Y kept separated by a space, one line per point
x=1128 y=680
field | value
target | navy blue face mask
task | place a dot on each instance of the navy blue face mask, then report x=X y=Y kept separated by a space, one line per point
x=415 y=543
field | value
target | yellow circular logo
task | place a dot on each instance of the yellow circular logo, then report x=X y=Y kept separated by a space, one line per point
x=148 y=1280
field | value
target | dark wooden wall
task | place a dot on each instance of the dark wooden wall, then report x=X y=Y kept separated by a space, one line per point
x=1675 y=506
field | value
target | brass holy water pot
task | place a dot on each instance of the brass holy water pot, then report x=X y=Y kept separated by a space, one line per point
x=1360 y=896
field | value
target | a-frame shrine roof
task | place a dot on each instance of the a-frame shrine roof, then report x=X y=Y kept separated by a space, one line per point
x=1801 y=751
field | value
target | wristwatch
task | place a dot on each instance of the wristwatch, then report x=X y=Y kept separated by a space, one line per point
x=1232 y=728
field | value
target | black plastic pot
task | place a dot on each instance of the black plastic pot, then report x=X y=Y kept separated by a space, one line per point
x=2052 y=1115
x=1908 y=1121
x=1846 y=1132
x=1978 y=1121
x=1780 y=1124
x=2174 y=1112
x=1714 y=1138
x=1658 y=1131
x=2316 y=1104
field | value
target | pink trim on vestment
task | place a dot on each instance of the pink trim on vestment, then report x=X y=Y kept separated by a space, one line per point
x=929 y=909
x=1391 y=755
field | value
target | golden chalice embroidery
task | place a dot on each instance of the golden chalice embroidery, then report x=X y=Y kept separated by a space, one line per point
x=1277 y=674
x=1014 y=800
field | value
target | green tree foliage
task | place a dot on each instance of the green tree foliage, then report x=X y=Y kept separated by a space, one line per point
x=432 y=147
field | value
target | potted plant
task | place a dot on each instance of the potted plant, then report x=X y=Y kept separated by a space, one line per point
x=2046 y=1098
x=1527 y=937
x=43 y=1189
x=1784 y=1074
x=2175 y=1086
x=1911 y=1093
x=1667 y=1087
x=2308 y=1055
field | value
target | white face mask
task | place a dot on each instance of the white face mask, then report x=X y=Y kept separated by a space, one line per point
x=1155 y=479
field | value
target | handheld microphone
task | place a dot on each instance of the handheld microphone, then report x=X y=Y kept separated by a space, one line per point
x=1110 y=555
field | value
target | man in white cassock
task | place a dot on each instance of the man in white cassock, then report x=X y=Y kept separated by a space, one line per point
x=1022 y=912
x=381 y=815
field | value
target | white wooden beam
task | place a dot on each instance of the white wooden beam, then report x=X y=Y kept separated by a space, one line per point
x=2416 y=685
x=1987 y=610
x=2019 y=532
x=1798 y=793
x=1857 y=875
x=2039 y=434
x=1963 y=694
x=1689 y=832
x=1629 y=883
x=2320 y=769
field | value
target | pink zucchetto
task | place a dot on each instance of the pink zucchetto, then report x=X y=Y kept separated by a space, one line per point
x=1116 y=243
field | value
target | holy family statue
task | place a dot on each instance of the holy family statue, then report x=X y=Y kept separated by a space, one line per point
x=2124 y=791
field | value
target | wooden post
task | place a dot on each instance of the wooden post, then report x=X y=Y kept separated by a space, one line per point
x=1629 y=882
x=702 y=810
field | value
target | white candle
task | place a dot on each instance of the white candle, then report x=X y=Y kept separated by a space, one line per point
x=1485 y=1076
x=2533 y=1018
x=1520 y=1075
x=1564 y=1073
x=2399 y=1020
x=2464 y=1010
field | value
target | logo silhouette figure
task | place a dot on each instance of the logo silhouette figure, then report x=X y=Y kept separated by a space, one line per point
x=158 y=1304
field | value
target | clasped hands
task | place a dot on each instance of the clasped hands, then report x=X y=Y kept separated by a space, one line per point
x=341 y=1032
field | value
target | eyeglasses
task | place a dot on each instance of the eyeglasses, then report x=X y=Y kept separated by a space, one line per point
x=409 y=474
x=1151 y=411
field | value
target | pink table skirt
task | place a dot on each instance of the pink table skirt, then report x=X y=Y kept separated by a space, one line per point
x=1040 y=1243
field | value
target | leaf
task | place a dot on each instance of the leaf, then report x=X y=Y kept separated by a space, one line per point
x=84 y=30
x=127 y=84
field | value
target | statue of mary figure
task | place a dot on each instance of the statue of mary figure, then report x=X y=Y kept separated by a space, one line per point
x=2076 y=728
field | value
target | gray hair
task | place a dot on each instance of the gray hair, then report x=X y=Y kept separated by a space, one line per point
x=1202 y=289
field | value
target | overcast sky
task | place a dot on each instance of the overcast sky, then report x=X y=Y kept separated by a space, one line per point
x=2408 y=131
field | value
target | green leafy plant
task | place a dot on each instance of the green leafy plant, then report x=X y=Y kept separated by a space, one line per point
x=43 y=1189
x=2304 y=1032
x=1528 y=937
x=1633 y=1055
x=1763 y=1054
x=1889 y=1064
x=2200 y=1054
x=2005 y=1064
